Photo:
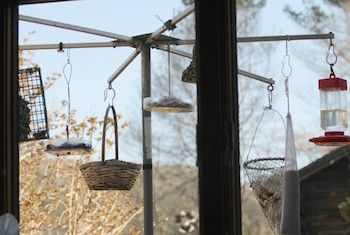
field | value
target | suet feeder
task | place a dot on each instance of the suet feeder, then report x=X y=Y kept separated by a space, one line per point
x=189 y=75
x=334 y=115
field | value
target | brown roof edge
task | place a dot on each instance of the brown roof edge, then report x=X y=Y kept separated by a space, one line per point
x=324 y=162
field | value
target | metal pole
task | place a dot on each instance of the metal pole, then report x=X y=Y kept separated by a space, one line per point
x=160 y=44
x=124 y=65
x=75 y=45
x=147 y=142
x=286 y=37
x=252 y=39
x=131 y=57
x=256 y=77
x=74 y=28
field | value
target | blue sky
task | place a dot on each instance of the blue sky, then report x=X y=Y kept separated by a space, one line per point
x=92 y=67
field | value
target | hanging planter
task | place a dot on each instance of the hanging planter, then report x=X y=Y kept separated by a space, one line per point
x=68 y=146
x=110 y=174
x=334 y=115
x=167 y=104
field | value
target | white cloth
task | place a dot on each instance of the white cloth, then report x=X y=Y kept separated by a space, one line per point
x=290 y=224
x=8 y=225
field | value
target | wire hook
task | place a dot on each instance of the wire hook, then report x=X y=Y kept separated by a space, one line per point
x=287 y=40
x=331 y=57
x=269 y=88
x=109 y=88
x=67 y=76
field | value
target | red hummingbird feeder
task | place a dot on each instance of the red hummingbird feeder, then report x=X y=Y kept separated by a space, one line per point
x=334 y=115
x=333 y=102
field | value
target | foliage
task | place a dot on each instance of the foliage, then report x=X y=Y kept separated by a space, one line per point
x=315 y=17
x=344 y=209
x=54 y=198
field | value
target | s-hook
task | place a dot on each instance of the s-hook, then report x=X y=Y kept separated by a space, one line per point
x=270 y=88
x=286 y=71
x=109 y=88
x=331 y=57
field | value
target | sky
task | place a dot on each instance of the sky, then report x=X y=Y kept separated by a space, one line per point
x=92 y=67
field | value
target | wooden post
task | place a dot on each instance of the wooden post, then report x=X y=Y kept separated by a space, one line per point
x=217 y=130
x=9 y=161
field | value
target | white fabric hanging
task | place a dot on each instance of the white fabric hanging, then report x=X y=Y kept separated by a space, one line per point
x=8 y=225
x=290 y=224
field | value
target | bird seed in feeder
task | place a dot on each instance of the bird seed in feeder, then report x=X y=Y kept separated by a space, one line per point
x=166 y=104
x=73 y=146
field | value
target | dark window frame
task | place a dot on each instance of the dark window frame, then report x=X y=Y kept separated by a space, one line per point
x=217 y=131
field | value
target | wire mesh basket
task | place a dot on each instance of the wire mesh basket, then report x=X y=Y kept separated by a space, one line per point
x=110 y=174
x=265 y=175
x=33 y=121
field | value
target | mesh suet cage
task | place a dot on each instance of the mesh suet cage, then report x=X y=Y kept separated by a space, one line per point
x=33 y=121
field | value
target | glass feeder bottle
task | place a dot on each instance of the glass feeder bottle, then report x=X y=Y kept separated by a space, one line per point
x=333 y=102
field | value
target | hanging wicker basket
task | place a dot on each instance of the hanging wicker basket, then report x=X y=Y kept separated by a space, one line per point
x=110 y=174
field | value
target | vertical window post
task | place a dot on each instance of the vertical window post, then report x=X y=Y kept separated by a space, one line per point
x=217 y=130
x=9 y=160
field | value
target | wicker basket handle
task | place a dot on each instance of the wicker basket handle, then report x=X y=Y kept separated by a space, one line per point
x=115 y=132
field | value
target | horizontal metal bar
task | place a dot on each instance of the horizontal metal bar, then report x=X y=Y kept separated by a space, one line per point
x=174 y=51
x=174 y=21
x=173 y=42
x=75 y=45
x=286 y=37
x=252 y=39
x=124 y=65
x=256 y=77
x=75 y=28
x=240 y=71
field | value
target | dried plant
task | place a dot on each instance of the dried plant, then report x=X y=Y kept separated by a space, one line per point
x=54 y=198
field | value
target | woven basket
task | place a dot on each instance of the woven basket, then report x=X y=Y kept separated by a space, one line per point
x=110 y=174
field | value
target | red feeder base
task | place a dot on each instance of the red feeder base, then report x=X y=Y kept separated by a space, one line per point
x=332 y=138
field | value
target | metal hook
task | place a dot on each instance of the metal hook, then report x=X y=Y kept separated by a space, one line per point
x=109 y=88
x=287 y=40
x=331 y=55
x=270 y=88
x=286 y=71
x=331 y=52
x=60 y=47
x=286 y=59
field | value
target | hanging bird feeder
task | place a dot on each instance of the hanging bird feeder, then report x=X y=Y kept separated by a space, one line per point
x=167 y=104
x=189 y=75
x=334 y=115
x=68 y=146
